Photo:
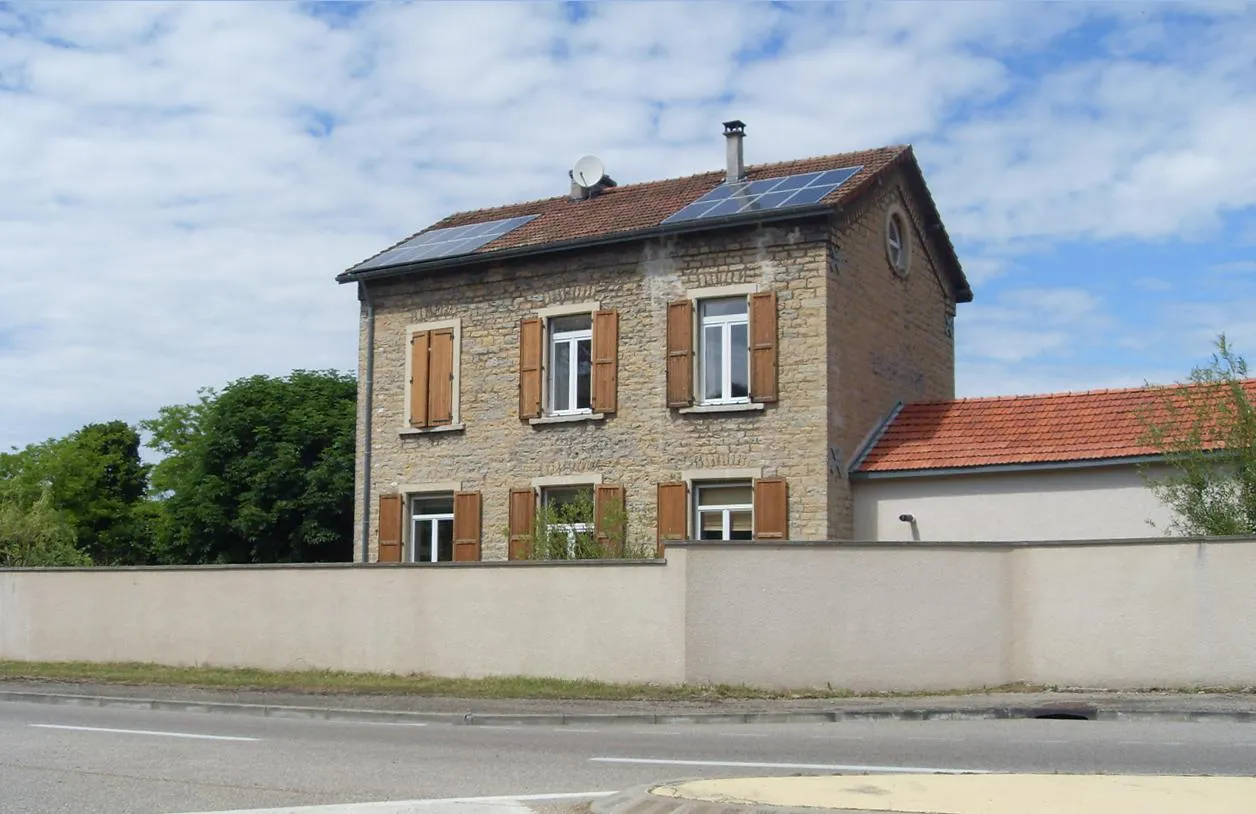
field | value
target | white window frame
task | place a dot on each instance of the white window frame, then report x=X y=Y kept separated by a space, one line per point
x=898 y=252
x=547 y=315
x=569 y=529
x=725 y=322
x=412 y=543
x=572 y=340
x=726 y=510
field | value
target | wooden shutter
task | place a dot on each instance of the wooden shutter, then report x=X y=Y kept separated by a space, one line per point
x=763 y=354
x=391 y=509
x=420 y=343
x=440 y=377
x=673 y=513
x=466 y=526
x=605 y=360
x=522 y=515
x=771 y=509
x=531 y=349
x=609 y=519
x=680 y=353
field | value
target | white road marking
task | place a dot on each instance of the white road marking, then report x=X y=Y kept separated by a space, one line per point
x=746 y=735
x=819 y=767
x=407 y=806
x=929 y=739
x=191 y=735
x=1152 y=743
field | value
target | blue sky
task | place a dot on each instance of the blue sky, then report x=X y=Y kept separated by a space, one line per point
x=181 y=182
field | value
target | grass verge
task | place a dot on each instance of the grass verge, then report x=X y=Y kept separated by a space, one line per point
x=331 y=681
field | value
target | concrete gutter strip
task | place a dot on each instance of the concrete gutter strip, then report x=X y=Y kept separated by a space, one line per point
x=1142 y=710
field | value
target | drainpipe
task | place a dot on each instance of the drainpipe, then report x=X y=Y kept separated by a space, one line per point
x=364 y=294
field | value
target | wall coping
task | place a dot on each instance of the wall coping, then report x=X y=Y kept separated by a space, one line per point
x=976 y=545
x=333 y=566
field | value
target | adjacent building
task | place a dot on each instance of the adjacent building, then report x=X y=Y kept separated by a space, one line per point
x=619 y=366
x=1059 y=466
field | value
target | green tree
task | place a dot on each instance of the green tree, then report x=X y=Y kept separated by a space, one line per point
x=261 y=472
x=36 y=535
x=94 y=482
x=1207 y=434
x=100 y=483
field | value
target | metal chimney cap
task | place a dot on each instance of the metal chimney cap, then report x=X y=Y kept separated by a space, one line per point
x=736 y=127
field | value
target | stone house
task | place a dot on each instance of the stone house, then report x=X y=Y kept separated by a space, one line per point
x=694 y=358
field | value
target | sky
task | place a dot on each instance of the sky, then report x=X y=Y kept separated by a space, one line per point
x=180 y=183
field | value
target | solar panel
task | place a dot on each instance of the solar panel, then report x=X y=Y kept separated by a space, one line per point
x=764 y=195
x=448 y=242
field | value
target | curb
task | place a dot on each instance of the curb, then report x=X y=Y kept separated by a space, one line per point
x=642 y=800
x=1052 y=711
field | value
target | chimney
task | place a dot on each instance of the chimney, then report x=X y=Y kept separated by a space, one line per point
x=734 y=134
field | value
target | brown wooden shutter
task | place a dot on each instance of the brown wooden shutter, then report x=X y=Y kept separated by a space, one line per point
x=680 y=353
x=391 y=508
x=605 y=360
x=522 y=516
x=673 y=513
x=419 y=354
x=466 y=526
x=440 y=377
x=763 y=354
x=771 y=509
x=531 y=349
x=608 y=518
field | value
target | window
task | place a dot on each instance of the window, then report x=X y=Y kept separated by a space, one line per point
x=725 y=511
x=431 y=529
x=567 y=513
x=729 y=506
x=567 y=519
x=568 y=365
x=724 y=350
x=897 y=241
x=432 y=376
x=571 y=365
x=424 y=523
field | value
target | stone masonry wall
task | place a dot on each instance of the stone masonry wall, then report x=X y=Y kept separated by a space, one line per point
x=644 y=443
x=887 y=333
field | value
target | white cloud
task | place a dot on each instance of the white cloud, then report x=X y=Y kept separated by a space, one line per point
x=168 y=222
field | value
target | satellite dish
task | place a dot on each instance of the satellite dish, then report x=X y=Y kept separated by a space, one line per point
x=589 y=170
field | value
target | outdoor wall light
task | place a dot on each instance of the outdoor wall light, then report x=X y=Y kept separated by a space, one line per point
x=907 y=518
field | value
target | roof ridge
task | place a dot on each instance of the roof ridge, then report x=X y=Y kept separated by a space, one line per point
x=1073 y=393
x=896 y=149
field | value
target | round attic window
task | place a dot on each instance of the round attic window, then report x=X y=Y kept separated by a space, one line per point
x=897 y=241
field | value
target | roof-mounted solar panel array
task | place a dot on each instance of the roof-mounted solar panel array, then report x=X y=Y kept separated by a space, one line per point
x=449 y=242
x=764 y=195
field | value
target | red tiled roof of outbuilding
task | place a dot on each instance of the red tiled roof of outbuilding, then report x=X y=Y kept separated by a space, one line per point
x=1006 y=430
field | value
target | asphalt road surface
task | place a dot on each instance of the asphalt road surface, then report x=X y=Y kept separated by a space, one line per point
x=70 y=759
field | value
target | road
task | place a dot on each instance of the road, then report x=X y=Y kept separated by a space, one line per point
x=110 y=761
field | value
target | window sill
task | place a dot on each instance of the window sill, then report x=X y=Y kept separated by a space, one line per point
x=409 y=432
x=566 y=419
x=700 y=409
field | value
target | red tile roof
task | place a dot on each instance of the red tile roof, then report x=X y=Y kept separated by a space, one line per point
x=640 y=206
x=1058 y=427
x=635 y=208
